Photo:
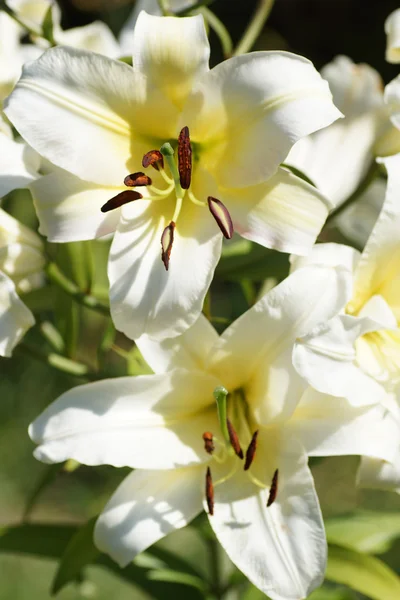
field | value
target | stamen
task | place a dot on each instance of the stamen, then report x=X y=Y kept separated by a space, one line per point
x=154 y=158
x=137 y=179
x=208 y=442
x=221 y=215
x=251 y=450
x=184 y=158
x=121 y=199
x=273 y=491
x=234 y=439
x=167 y=239
x=209 y=492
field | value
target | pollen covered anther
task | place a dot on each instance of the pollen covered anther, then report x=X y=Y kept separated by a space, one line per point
x=251 y=450
x=234 y=439
x=184 y=158
x=221 y=215
x=273 y=491
x=208 y=442
x=121 y=199
x=137 y=179
x=154 y=158
x=209 y=492
x=167 y=239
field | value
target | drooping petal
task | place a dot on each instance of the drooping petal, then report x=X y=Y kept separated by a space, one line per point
x=392 y=30
x=69 y=209
x=171 y=52
x=189 y=350
x=328 y=255
x=282 y=548
x=146 y=507
x=145 y=298
x=96 y=37
x=249 y=111
x=326 y=357
x=15 y=317
x=89 y=114
x=145 y=422
x=265 y=332
x=284 y=213
x=19 y=165
x=329 y=426
x=379 y=264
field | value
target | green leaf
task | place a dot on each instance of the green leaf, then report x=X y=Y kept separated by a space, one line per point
x=48 y=26
x=49 y=474
x=363 y=573
x=326 y=593
x=364 y=531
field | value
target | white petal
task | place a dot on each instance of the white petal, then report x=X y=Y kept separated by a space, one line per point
x=20 y=263
x=15 y=317
x=392 y=30
x=12 y=231
x=88 y=114
x=307 y=297
x=19 y=165
x=189 y=350
x=392 y=99
x=326 y=358
x=145 y=298
x=380 y=261
x=329 y=426
x=328 y=255
x=284 y=213
x=171 y=52
x=251 y=109
x=380 y=474
x=281 y=549
x=146 y=507
x=147 y=422
x=69 y=209
x=96 y=37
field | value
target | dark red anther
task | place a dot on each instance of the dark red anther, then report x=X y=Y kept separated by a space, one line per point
x=251 y=450
x=208 y=442
x=209 y=492
x=234 y=439
x=167 y=239
x=221 y=215
x=184 y=158
x=273 y=489
x=137 y=179
x=154 y=158
x=121 y=199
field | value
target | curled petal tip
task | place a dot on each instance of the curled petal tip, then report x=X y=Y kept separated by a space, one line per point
x=221 y=215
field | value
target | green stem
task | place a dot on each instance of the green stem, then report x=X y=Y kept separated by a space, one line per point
x=10 y=12
x=56 y=361
x=215 y=568
x=220 y=394
x=69 y=287
x=370 y=176
x=254 y=28
x=219 y=28
x=185 y=11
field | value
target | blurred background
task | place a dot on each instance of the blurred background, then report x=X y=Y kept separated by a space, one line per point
x=35 y=494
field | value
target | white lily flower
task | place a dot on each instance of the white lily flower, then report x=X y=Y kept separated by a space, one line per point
x=392 y=30
x=363 y=345
x=19 y=164
x=15 y=317
x=337 y=158
x=263 y=509
x=98 y=120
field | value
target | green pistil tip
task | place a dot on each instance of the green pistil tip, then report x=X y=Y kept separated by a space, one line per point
x=220 y=391
x=166 y=149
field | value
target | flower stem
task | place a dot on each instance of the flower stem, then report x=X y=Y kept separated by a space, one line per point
x=69 y=287
x=215 y=568
x=56 y=361
x=254 y=28
x=219 y=28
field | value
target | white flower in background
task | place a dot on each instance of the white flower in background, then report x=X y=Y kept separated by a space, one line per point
x=370 y=328
x=337 y=158
x=101 y=120
x=15 y=317
x=392 y=30
x=257 y=489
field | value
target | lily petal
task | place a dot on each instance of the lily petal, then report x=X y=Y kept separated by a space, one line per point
x=284 y=213
x=189 y=350
x=392 y=99
x=15 y=317
x=171 y=52
x=392 y=30
x=19 y=165
x=328 y=255
x=96 y=37
x=329 y=426
x=380 y=474
x=89 y=114
x=69 y=209
x=146 y=507
x=145 y=298
x=249 y=111
x=282 y=548
x=145 y=422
